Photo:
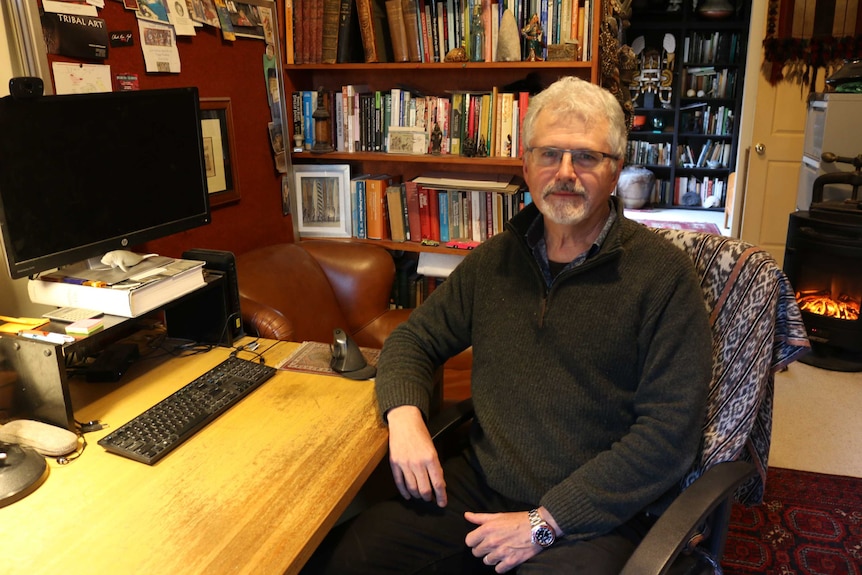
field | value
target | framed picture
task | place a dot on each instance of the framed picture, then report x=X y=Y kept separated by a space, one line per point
x=218 y=138
x=323 y=200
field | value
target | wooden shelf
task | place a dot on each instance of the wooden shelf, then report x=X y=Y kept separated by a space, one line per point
x=431 y=66
x=462 y=161
x=430 y=79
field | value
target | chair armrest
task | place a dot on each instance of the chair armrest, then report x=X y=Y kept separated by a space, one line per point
x=668 y=537
x=264 y=321
x=375 y=332
x=451 y=418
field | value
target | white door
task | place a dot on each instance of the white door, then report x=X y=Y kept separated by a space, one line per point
x=774 y=159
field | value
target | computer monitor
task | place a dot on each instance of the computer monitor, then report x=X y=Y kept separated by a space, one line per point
x=84 y=174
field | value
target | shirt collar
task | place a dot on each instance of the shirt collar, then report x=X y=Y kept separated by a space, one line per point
x=535 y=237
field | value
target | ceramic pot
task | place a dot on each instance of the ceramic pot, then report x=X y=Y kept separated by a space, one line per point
x=635 y=186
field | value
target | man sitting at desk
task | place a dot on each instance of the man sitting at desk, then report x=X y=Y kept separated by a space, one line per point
x=592 y=359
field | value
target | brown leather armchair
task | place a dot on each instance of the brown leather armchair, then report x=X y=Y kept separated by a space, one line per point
x=302 y=291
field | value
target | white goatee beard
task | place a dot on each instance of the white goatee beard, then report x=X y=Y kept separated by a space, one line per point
x=565 y=213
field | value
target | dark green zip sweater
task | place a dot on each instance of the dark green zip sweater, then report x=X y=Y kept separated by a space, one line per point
x=589 y=395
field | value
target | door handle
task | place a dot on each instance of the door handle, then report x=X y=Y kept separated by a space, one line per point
x=760 y=149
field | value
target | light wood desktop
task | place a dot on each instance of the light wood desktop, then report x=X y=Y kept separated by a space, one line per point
x=253 y=492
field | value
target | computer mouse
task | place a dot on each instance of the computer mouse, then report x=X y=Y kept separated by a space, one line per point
x=347 y=358
x=122 y=259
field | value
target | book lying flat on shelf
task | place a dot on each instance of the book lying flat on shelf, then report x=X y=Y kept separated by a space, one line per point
x=131 y=297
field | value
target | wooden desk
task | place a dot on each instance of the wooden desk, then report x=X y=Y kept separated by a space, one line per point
x=253 y=492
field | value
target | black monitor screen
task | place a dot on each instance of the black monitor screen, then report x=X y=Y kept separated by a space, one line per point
x=81 y=175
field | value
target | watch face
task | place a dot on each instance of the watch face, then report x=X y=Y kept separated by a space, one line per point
x=543 y=535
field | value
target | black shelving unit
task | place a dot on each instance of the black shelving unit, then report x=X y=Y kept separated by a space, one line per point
x=687 y=121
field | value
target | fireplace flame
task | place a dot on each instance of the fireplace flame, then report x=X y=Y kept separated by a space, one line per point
x=822 y=303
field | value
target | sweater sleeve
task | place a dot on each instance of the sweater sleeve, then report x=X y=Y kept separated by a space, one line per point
x=434 y=332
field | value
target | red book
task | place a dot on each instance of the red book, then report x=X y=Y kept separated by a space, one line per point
x=523 y=102
x=433 y=215
x=424 y=213
x=411 y=190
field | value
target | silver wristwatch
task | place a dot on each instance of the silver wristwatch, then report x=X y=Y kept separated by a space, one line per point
x=541 y=533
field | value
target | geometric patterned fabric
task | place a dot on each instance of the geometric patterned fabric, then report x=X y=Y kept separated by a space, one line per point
x=757 y=330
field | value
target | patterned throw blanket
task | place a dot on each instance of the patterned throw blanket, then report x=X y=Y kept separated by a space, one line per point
x=757 y=330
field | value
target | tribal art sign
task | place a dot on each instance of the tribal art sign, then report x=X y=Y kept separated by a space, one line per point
x=804 y=37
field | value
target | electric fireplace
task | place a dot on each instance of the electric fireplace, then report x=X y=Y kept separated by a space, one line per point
x=823 y=260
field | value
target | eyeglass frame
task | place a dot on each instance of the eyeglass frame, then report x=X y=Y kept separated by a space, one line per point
x=572 y=152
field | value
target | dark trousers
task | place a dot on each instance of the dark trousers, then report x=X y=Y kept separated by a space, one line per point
x=416 y=537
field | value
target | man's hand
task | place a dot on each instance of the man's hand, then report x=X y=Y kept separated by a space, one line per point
x=413 y=457
x=504 y=539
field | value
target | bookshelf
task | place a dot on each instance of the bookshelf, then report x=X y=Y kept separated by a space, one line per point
x=431 y=78
x=687 y=130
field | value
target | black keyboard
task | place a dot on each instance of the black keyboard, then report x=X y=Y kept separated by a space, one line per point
x=152 y=434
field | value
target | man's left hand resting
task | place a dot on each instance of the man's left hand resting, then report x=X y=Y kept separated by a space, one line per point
x=503 y=539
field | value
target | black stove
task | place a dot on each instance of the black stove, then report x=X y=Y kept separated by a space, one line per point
x=823 y=260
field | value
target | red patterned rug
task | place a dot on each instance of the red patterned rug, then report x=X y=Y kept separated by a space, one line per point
x=692 y=226
x=808 y=524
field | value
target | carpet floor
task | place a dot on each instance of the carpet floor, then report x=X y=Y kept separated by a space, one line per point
x=808 y=524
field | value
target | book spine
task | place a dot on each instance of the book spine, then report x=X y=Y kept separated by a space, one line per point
x=289 y=41
x=455 y=215
x=308 y=103
x=349 y=46
x=397 y=227
x=427 y=50
x=302 y=29
x=411 y=29
x=443 y=210
x=424 y=213
x=296 y=109
x=405 y=215
x=316 y=31
x=411 y=191
x=361 y=211
x=433 y=214
x=375 y=209
x=329 y=31
x=397 y=31
x=366 y=29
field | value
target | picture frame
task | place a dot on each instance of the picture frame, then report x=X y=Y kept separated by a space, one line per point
x=219 y=145
x=322 y=200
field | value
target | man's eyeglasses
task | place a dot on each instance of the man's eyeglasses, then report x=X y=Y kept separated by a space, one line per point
x=550 y=157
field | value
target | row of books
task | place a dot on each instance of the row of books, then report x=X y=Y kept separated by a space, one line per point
x=343 y=31
x=649 y=153
x=711 y=48
x=709 y=82
x=690 y=191
x=434 y=208
x=712 y=154
x=705 y=119
x=467 y=123
x=411 y=287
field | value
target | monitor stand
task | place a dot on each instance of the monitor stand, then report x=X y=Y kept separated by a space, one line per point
x=22 y=470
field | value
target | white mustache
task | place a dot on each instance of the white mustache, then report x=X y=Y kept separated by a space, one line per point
x=568 y=187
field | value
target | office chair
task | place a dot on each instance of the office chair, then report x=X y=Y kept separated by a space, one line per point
x=757 y=330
